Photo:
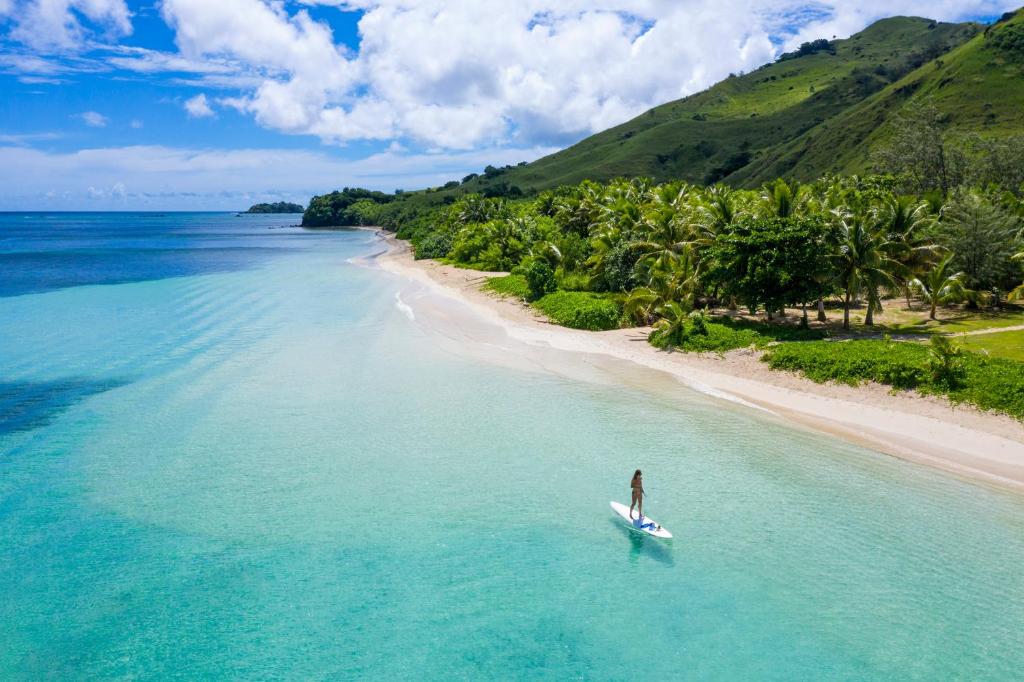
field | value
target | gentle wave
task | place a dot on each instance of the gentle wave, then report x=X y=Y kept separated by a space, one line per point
x=404 y=307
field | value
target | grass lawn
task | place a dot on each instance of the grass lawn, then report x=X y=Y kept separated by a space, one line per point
x=513 y=286
x=897 y=319
x=1009 y=345
x=956 y=321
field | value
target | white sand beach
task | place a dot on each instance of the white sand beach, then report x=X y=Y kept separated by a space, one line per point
x=928 y=430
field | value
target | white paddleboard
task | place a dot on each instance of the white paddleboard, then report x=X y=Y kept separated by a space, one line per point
x=648 y=525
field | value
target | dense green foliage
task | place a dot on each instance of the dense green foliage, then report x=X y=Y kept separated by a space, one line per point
x=342 y=208
x=786 y=244
x=773 y=262
x=540 y=279
x=581 y=310
x=276 y=207
x=988 y=383
x=701 y=334
x=1007 y=37
x=703 y=337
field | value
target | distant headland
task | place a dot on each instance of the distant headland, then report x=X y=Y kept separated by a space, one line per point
x=278 y=207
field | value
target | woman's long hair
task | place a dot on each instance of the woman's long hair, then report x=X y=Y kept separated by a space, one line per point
x=636 y=474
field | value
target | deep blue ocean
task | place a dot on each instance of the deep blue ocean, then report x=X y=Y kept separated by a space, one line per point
x=232 y=448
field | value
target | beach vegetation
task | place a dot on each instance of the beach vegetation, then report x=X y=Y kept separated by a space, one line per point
x=540 y=279
x=988 y=383
x=581 y=310
x=512 y=286
x=940 y=285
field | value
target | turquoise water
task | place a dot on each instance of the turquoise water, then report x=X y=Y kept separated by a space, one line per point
x=225 y=451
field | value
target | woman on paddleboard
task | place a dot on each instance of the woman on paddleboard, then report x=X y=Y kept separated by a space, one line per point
x=637 y=484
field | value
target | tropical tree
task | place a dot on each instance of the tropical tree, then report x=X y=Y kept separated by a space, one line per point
x=664 y=238
x=772 y=262
x=940 y=285
x=862 y=262
x=781 y=199
x=672 y=281
x=474 y=208
x=906 y=222
x=578 y=210
x=670 y=330
x=984 y=237
x=1018 y=293
x=921 y=153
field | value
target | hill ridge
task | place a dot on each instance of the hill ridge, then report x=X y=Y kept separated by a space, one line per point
x=816 y=110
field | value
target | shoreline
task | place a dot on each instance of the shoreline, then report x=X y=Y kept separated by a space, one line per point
x=980 y=446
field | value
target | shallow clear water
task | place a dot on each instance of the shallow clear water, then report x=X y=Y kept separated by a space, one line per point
x=226 y=450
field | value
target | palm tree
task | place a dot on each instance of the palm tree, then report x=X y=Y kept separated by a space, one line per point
x=477 y=209
x=580 y=210
x=665 y=238
x=863 y=261
x=547 y=251
x=604 y=241
x=940 y=285
x=1017 y=293
x=783 y=200
x=671 y=281
x=904 y=219
x=670 y=330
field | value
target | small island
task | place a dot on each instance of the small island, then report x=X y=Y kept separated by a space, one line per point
x=277 y=207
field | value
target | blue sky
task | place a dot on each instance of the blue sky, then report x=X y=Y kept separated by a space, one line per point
x=194 y=104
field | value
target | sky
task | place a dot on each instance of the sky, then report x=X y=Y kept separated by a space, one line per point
x=218 y=104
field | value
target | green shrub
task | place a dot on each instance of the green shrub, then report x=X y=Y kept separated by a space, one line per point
x=434 y=245
x=699 y=322
x=703 y=334
x=946 y=362
x=718 y=338
x=620 y=267
x=572 y=281
x=581 y=310
x=901 y=365
x=514 y=286
x=540 y=278
x=989 y=383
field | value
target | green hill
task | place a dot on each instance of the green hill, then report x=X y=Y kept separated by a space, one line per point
x=819 y=109
x=978 y=85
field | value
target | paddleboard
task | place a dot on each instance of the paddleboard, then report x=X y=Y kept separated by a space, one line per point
x=648 y=525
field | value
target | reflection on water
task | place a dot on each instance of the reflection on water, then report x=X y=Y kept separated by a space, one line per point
x=642 y=544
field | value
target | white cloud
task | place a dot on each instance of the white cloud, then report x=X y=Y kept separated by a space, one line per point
x=26 y=138
x=846 y=18
x=164 y=178
x=94 y=119
x=58 y=24
x=143 y=60
x=460 y=73
x=198 y=107
x=136 y=124
x=452 y=74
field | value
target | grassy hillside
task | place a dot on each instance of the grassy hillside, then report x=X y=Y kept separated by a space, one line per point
x=745 y=128
x=978 y=85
